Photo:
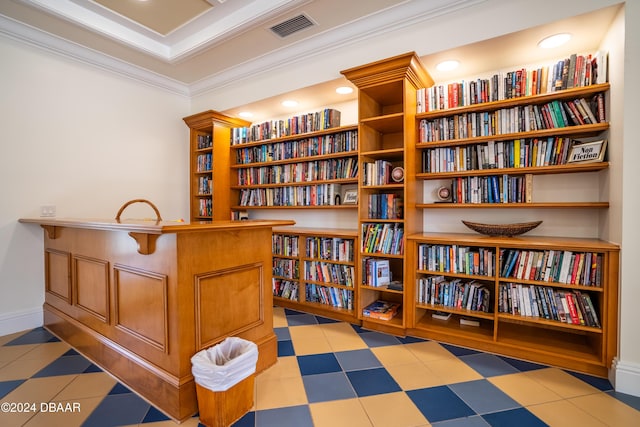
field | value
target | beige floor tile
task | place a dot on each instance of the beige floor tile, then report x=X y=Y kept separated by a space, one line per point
x=607 y=409
x=13 y=352
x=393 y=409
x=562 y=413
x=428 y=351
x=279 y=318
x=8 y=338
x=47 y=351
x=285 y=367
x=453 y=371
x=564 y=384
x=394 y=355
x=524 y=389
x=414 y=376
x=342 y=337
x=22 y=369
x=96 y=384
x=339 y=413
x=309 y=339
x=67 y=419
x=280 y=392
x=191 y=422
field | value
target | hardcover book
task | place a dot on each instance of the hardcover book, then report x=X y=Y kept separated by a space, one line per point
x=383 y=310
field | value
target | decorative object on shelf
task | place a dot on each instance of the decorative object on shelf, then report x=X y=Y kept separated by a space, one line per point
x=444 y=194
x=397 y=174
x=350 y=197
x=504 y=230
x=155 y=209
x=584 y=152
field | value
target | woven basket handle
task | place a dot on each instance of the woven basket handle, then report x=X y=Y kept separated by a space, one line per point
x=158 y=217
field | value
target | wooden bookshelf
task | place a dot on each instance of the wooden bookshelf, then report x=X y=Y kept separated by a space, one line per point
x=529 y=335
x=306 y=283
x=209 y=137
x=386 y=115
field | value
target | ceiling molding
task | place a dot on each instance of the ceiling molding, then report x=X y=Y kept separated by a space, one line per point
x=32 y=36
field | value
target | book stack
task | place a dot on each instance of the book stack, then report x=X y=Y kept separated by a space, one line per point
x=383 y=310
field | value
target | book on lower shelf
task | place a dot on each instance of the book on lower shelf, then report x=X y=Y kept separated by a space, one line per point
x=383 y=310
x=440 y=315
x=465 y=321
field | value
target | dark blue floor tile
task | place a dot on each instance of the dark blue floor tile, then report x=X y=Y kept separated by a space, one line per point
x=302 y=319
x=633 y=401
x=285 y=348
x=34 y=336
x=357 y=359
x=439 y=404
x=248 y=420
x=292 y=416
x=7 y=387
x=516 y=417
x=71 y=352
x=368 y=382
x=359 y=329
x=318 y=364
x=522 y=365
x=289 y=312
x=410 y=340
x=459 y=351
x=117 y=410
x=64 y=365
x=92 y=368
x=282 y=334
x=321 y=319
x=483 y=397
x=473 y=421
x=154 y=415
x=326 y=387
x=119 y=389
x=601 y=384
x=488 y=365
x=377 y=339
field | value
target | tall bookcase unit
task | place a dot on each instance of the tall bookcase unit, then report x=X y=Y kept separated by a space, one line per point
x=315 y=271
x=209 y=173
x=295 y=172
x=386 y=127
x=518 y=311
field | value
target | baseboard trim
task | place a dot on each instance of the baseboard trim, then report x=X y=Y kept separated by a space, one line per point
x=18 y=321
x=627 y=377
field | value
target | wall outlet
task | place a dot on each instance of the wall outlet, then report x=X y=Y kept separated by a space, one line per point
x=48 y=210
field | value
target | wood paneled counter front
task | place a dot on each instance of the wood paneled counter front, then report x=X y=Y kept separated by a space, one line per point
x=141 y=297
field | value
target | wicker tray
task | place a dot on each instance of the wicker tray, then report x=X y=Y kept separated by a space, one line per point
x=505 y=230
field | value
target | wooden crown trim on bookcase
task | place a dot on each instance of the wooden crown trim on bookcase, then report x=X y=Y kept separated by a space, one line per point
x=206 y=119
x=407 y=65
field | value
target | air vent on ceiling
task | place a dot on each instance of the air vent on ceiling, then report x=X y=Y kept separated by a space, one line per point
x=292 y=25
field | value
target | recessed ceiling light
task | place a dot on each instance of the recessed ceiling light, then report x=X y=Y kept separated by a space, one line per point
x=554 y=40
x=343 y=90
x=448 y=65
x=245 y=114
x=289 y=103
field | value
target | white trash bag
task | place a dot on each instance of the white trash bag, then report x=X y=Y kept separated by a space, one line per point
x=222 y=366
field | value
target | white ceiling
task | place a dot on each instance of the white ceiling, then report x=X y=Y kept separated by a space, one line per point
x=193 y=45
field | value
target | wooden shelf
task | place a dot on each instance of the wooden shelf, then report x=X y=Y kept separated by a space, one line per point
x=533 y=205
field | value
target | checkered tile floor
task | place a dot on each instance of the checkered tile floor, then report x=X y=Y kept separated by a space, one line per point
x=328 y=374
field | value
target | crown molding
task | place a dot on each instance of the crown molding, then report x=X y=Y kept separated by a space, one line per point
x=34 y=37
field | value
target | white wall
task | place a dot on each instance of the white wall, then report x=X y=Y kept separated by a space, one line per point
x=86 y=141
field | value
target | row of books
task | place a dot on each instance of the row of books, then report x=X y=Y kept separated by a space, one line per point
x=205 y=207
x=492 y=189
x=383 y=238
x=204 y=185
x=456 y=259
x=456 y=293
x=285 y=289
x=340 y=298
x=377 y=173
x=204 y=162
x=376 y=272
x=575 y=268
x=574 y=71
x=573 y=307
x=327 y=272
x=330 y=248
x=303 y=195
x=286 y=268
x=304 y=123
x=343 y=168
x=505 y=121
x=204 y=141
x=385 y=206
x=381 y=310
x=284 y=244
x=518 y=153
x=342 y=142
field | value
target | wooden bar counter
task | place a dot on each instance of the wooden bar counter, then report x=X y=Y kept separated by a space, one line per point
x=139 y=298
